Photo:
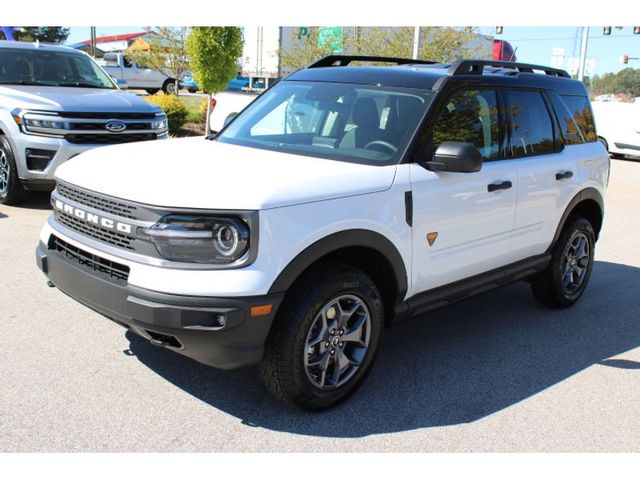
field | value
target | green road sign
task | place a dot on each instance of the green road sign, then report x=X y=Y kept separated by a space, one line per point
x=330 y=37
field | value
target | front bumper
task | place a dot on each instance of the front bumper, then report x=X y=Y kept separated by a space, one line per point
x=188 y=325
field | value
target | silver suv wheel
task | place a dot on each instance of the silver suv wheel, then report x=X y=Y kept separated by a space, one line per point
x=4 y=172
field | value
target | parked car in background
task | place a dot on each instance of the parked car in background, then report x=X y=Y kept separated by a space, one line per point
x=226 y=104
x=189 y=83
x=56 y=102
x=618 y=126
x=120 y=65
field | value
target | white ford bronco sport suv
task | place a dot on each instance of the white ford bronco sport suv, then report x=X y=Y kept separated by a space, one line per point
x=342 y=200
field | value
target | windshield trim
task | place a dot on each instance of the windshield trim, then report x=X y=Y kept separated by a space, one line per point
x=426 y=94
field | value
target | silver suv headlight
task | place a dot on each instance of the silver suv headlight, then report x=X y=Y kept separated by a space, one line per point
x=200 y=239
x=40 y=123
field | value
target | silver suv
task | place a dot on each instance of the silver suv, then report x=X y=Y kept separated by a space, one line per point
x=56 y=102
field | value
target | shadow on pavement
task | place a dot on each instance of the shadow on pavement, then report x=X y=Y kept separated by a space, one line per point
x=456 y=365
x=2 y=215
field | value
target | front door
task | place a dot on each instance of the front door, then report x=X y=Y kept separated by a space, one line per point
x=463 y=222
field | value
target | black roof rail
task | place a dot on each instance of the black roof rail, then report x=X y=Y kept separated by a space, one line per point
x=475 y=67
x=344 y=60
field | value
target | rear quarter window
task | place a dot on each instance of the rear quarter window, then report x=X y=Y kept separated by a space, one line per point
x=580 y=110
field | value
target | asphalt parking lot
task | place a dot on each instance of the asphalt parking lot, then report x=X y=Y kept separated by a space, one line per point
x=497 y=372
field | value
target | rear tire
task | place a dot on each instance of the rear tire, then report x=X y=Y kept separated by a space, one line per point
x=567 y=275
x=152 y=91
x=12 y=192
x=324 y=338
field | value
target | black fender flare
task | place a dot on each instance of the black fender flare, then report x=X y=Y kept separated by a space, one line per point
x=337 y=241
x=586 y=194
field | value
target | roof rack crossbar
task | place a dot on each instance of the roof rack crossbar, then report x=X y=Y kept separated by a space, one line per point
x=344 y=60
x=476 y=67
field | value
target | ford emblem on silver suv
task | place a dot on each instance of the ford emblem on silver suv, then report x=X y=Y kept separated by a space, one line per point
x=115 y=126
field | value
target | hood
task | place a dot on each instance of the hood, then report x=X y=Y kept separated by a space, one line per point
x=200 y=173
x=70 y=99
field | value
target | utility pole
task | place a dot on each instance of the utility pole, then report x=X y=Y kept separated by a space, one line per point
x=416 y=42
x=583 y=53
x=93 y=42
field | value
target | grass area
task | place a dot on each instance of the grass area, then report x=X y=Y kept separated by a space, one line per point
x=192 y=105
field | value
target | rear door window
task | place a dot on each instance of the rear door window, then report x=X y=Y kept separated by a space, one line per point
x=530 y=125
x=580 y=109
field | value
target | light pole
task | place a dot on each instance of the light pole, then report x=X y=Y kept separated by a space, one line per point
x=583 y=53
x=416 y=42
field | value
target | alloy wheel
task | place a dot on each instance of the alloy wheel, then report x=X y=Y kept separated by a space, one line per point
x=337 y=342
x=575 y=263
x=4 y=172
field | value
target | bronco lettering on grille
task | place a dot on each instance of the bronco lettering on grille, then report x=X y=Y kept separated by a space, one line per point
x=93 y=218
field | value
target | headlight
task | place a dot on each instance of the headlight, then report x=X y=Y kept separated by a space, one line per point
x=160 y=123
x=29 y=122
x=199 y=239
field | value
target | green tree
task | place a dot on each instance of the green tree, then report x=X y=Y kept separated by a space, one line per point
x=305 y=49
x=214 y=53
x=42 y=34
x=626 y=81
x=441 y=44
x=167 y=52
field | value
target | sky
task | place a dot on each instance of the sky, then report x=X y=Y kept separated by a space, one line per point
x=534 y=44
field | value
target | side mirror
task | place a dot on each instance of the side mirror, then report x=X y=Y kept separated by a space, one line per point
x=456 y=157
x=230 y=117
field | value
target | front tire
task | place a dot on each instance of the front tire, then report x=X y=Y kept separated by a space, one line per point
x=169 y=87
x=324 y=338
x=567 y=275
x=12 y=192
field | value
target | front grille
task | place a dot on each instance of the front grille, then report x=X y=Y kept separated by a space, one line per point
x=88 y=260
x=111 y=206
x=108 y=236
x=101 y=127
x=109 y=115
x=108 y=139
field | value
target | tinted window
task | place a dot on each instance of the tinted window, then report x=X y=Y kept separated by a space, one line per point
x=581 y=111
x=571 y=134
x=531 y=128
x=471 y=116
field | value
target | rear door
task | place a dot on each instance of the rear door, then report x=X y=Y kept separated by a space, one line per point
x=547 y=171
x=462 y=222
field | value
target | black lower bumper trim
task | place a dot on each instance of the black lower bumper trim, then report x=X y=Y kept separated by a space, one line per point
x=219 y=332
x=38 y=185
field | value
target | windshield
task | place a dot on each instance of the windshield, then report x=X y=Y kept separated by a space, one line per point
x=20 y=66
x=354 y=123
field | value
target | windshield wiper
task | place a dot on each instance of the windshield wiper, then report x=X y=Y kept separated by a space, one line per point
x=80 y=85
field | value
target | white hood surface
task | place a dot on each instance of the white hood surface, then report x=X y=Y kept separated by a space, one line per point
x=200 y=173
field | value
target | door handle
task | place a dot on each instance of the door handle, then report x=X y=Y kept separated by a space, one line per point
x=492 y=187
x=563 y=175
